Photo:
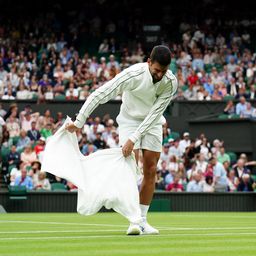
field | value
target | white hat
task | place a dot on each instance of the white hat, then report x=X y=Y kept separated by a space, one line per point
x=42 y=138
x=198 y=143
x=185 y=134
x=171 y=140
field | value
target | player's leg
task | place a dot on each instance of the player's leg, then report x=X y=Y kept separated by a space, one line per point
x=152 y=146
x=150 y=159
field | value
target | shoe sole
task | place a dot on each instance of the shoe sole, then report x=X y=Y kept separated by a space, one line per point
x=134 y=232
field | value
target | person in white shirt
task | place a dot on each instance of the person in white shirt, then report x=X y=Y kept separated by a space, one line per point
x=147 y=89
x=185 y=142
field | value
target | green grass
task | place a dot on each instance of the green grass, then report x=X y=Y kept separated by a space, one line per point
x=104 y=234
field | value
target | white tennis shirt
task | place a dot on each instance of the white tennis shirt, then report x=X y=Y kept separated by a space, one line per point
x=142 y=100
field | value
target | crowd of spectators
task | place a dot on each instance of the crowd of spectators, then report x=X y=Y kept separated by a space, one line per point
x=42 y=59
x=193 y=165
x=196 y=165
x=61 y=53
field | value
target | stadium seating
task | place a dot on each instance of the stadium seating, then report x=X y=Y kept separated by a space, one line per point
x=58 y=187
x=17 y=192
x=233 y=156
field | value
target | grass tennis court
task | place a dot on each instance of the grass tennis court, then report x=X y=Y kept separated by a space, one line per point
x=104 y=234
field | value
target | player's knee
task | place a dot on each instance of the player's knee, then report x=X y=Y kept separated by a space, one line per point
x=150 y=173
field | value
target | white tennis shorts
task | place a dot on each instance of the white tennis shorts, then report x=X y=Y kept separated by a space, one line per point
x=152 y=140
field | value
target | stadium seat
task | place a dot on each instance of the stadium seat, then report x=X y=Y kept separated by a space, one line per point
x=60 y=97
x=17 y=192
x=253 y=177
x=10 y=167
x=233 y=156
x=234 y=116
x=15 y=140
x=223 y=116
x=175 y=135
x=184 y=88
x=228 y=97
x=58 y=187
x=4 y=154
x=208 y=68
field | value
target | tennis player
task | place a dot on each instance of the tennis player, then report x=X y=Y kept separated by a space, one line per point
x=147 y=89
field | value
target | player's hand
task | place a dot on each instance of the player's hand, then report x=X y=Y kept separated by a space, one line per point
x=71 y=127
x=127 y=148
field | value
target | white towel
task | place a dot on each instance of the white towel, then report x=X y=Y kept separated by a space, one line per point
x=104 y=178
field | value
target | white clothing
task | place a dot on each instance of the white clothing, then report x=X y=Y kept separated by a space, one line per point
x=23 y=95
x=143 y=101
x=104 y=178
x=152 y=140
x=183 y=145
x=2 y=122
x=8 y=97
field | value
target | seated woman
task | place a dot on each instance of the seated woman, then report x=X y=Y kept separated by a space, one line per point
x=230 y=108
x=42 y=182
x=28 y=155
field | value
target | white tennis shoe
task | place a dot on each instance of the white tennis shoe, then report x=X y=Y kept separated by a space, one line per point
x=134 y=230
x=148 y=229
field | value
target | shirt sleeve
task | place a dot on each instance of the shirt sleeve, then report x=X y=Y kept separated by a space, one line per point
x=156 y=111
x=111 y=89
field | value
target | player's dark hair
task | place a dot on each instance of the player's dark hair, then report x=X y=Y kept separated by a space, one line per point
x=161 y=54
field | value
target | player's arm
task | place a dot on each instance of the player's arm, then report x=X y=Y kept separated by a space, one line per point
x=102 y=95
x=156 y=111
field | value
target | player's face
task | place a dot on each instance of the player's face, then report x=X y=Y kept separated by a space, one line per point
x=157 y=71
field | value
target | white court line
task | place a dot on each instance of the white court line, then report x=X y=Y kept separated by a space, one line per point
x=61 y=231
x=213 y=228
x=119 y=236
x=61 y=223
x=120 y=230
x=111 y=225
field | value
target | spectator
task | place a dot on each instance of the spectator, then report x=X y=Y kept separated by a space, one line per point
x=42 y=182
x=219 y=175
x=201 y=164
x=159 y=183
x=47 y=131
x=113 y=142
x=34 y=172
x=252 y=93
x=248 y=111
x=13 y=157
x=223 y=157
x=246 y=184
x=233 y=181
x=26 y=120
x=13 y=127
x=40 y=145
x=173 y=164
x=175 y=186
x=196 y=184
x=208 y=184
x=99 y=142
x=240 y=168
x=28 y=155
x=163 y=169
x=241 y=106
x=23 y=179
x=232 y=87
x=164 y=156
x=174 y=149
x=33 y=133
x=230 y=108
x=185 y=142
x=23 y=141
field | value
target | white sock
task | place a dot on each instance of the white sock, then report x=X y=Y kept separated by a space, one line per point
x=144 y=210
